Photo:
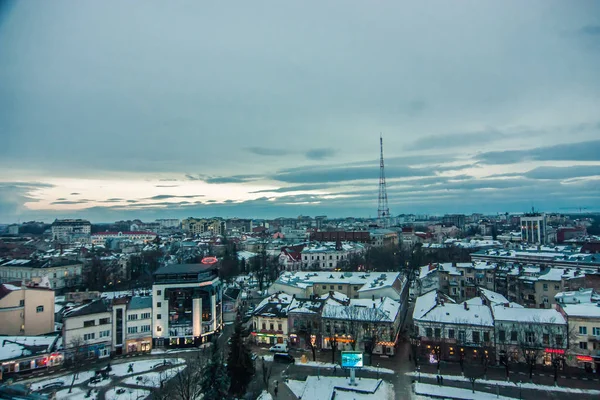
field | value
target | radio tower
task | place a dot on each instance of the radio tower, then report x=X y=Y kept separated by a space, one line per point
x=383 y=211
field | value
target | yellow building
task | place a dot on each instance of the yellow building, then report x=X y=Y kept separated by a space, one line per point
x=26 y=310
x=198 y=226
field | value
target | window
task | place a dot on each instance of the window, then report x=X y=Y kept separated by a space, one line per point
x=145 y=328
x=428 y=332
x=556 y=287
x=264 y=325
x=145 y=315
x=502 y=335
x=486 y=336
x=21 y=303
x=132 y=329
x=490 y=280
x=104 y=321
x=355 y=287
x=583 y=330
x=529 y=337
x=324 y=287
x=89 y=323
x=330 y=287
x=450 y=333
x=159 y=304
x=545 y=299
x=89 y=336
x=331 y=264
x=158 y=292
x=158 y=316
x=596 y=331
x=583 y=345
x=158 y=329
x=545 y=287
x=272 y=327
x=279 y=328
x=475 y=337
x=437 y=333
x=462 y=336
x=339 y=287
x=39 y=309
x=331 y=257
x=105 y=333
x=132 y=317
x=559 y=340
x=513 y=336
x=546 y=339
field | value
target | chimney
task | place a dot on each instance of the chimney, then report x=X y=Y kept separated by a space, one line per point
x=373 y=297
x=381 y=299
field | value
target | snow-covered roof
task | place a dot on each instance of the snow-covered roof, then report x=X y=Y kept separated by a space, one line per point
x=585 y=310
x=245 y=255
x=577 y=297
x=368 y=281
x=533 y=315
x=275 y=305
x=452 y=313
x=12 y=347
x=331 y=247
x=377 y=310
x=493 y=297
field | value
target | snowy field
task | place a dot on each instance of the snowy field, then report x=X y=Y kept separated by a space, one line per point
x=318 y=364
x=129 y=394
x=76 y=394
x=153 y=379
x=322 y=388
x=455 y=393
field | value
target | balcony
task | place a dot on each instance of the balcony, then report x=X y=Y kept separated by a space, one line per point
x=270 y=332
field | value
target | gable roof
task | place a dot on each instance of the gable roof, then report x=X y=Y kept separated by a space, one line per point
x=95 y=307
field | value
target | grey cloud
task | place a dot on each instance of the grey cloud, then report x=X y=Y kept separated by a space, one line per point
x=231 y=179
x=70 y=202
x=455 y=140
x=297 y=188
x=166 y=186
x=347 y=174
x=563 y=172
x=592 y=30
x=319 y=154
x=267 y=151
x=61 y=198
x=170 y=196
x=75 y=194
x=583 y=151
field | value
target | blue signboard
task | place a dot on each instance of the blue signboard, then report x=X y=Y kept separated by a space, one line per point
x=352 y=359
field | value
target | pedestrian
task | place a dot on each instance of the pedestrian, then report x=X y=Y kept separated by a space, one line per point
x=442 y=380
x=438 y=379
x=335 y=369
x=276 y=390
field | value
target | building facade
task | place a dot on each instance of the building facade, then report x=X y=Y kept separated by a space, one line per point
x=71 y=230
x=135 y=236
x=61 y=274
x=87 y=331
x=132 y=324
x=533 y=228
x=26 y=310
x=200 y=226
x=187 y=305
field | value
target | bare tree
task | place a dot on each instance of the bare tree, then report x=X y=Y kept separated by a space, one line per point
x=78 y=354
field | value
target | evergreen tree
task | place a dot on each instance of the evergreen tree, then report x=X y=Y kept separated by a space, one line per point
x=215 y=381
x=239 y=364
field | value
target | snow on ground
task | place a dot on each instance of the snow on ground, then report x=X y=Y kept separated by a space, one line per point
x=128 y=394
x=153 y=379
x=454 y=393
x=142 y=366
x=511 y=384
x=323 y=388
x=65 y=379
x=265 y=396
x=76 y=394
x=162 y=351
x=318 y=364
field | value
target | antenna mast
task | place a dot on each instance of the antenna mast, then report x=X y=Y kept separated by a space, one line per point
x=383 y=210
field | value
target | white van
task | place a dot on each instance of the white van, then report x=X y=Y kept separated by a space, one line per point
x=280 y=347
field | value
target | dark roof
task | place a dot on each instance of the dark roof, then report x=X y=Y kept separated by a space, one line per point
x=275 y=310
x=184 y=269
x=94 y=307
x=139 y=302
x=232 y=293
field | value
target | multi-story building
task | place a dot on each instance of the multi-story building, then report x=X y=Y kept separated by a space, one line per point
x=199 y=226
x=341 y=236
x=169 y=223
x=87 y=331
x=581 y=309
x=371 y=325
x=533 y=228
x=355 y=285
x=132 y=324
x=327 y=255
x=457 y=220
x=135 y=236
x=26 y=310
x=71 y=230
x=270 y=319
x=187 y=305
x=384 y=238
x=239 y=225
x=453 y=331
x=60 y=273
x=549 y=257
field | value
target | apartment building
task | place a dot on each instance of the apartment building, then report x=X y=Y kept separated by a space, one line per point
x=187 y=305
x=132 y=324
x=87 y=331
x=61 y=274
x=327 y=255
x=71 y=230
x=200 y=226
x=270 y=319
x=26 y=310
x=134 y=236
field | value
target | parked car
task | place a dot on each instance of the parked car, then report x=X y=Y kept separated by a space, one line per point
x=279 y=347
x=283 y=358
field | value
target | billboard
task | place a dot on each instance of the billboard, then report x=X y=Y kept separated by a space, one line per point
x=352 y=359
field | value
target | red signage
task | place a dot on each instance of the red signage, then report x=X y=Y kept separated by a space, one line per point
x=555 y=351
x=585 y=358
x=209 y=260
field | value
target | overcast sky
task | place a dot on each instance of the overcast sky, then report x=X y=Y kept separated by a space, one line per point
x=113 y=110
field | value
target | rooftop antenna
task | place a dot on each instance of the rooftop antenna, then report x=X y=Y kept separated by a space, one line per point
x=383 y=210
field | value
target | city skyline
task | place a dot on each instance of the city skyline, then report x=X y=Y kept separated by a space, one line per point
x=272 y=110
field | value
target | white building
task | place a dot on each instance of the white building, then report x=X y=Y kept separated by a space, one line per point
x=87 y=330
x=533 y=228
x=328 y=254
x=169 y=223
x=135 y=236
x=71 y=230
x=60 y=274
x=187 y=305
x=132 y=324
